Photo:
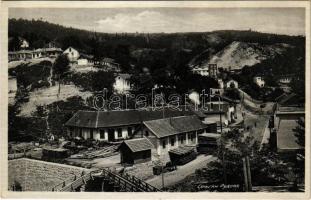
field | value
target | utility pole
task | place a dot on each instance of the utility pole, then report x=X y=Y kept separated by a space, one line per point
x=224 y=167
x=162 y=175
x=247 y=174
x=249 y=177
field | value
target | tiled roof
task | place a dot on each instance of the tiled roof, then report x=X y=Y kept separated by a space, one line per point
x=140 y=144
x=174 y=125
x=98 y=119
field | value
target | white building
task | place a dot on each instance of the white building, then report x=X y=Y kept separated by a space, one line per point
x=232 y=82
x=85 y=60
x=122 y=84
x=24 y=43
x=113 y=125
x=171 y=133
x=210 y=70
x=72 y=54
x=203 y=71
x=259 y=80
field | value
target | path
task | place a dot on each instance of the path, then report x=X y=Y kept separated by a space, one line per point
x=171 y=178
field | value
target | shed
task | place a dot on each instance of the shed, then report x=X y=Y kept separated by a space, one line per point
x=135 y=151
x=182 y=155
x=207 y=142
x=55 y=153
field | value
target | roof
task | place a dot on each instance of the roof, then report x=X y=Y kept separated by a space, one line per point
x=83 y=55
x=182 y=150
x=210 y=135
x=174 y=125
x=286 y=138
x=124 y=76
x=140 y=144
x=108 y=60
x=100 y=119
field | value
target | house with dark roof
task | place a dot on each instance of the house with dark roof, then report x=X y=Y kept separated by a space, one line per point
x=214 y=109
x=114 y=125
x=108 y=64
x=135 y=151
x=173 y=132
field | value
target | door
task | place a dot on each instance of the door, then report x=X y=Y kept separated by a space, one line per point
x=111 y=134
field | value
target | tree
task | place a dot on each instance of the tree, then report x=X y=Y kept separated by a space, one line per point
x=100 y=80
x=14 y=44
x=60 y=68
x=300 y=132
x=266 y=168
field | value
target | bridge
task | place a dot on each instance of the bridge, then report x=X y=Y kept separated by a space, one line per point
x=121 y=183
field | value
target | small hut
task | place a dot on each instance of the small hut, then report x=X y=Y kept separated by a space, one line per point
x=207 y=142
x=135 y=151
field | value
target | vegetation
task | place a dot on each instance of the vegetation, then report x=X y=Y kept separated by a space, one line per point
x=266 y=167
x=61 y=68
x=32 y=76
x=300 y=132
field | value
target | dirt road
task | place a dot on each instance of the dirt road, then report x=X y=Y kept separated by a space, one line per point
x=178 y=175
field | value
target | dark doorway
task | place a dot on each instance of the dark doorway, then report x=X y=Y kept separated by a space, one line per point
x=111 y=134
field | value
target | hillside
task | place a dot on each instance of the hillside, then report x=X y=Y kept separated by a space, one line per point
x=239 y=54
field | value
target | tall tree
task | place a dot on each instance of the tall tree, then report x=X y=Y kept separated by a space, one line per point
x=60 y=68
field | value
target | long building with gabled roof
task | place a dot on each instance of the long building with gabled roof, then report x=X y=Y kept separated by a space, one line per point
x=115 y=125
x=173 y=132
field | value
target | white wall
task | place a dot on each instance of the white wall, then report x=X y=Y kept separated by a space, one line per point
x=72 y=54
x=82 y=61
x=259 y=81
x=96 y=133
x=121 y=86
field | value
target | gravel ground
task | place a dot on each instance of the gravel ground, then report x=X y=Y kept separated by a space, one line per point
x=171 y=178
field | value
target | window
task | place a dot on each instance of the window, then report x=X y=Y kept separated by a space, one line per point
x=146 y=133
x=189 y=136
x=102 y=134
x=164 y=144
x=172 y=141
x=119 y=132
x=129 y=131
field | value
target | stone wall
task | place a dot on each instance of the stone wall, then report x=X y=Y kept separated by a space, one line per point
x=34 y=175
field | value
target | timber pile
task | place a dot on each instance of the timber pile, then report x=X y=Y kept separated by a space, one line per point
x=101 y=153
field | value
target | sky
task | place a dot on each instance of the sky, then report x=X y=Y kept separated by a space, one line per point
x=289 y=21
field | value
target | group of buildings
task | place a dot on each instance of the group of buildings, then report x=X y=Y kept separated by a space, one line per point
x=52 y=50
x=77 y=58
x=146 y=132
